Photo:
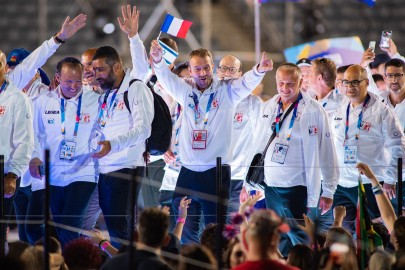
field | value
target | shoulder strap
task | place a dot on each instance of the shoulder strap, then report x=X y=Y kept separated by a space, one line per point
x=126 y=101
x=273 y=135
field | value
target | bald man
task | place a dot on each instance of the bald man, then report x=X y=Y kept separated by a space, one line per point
x=367 y=131
x=244 y=122
x=16 y=137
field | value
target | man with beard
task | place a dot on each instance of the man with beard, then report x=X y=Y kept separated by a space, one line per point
x=121 y=134
x=366 y=131
x=206 y=129
x=394 y=98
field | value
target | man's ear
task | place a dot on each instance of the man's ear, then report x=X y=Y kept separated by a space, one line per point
x=117 y=67
x=57 y=77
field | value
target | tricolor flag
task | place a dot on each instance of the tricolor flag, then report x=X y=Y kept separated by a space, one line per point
x=370 y=3
x=175 y=27
x=169 y=54
x=368 y=240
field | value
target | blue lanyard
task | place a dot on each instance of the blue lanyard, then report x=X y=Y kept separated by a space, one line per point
x=104 y=107
x=196 y=107
x=294 y=116
x=3 y=87
x=360 y=119
x=62 y=115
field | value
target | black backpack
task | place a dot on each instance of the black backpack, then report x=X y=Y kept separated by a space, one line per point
x=160 y=139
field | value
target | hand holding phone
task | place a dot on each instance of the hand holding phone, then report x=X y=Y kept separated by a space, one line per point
x=386 y=35
x=371 y=46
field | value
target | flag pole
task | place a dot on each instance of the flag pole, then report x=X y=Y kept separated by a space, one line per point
x=159 y=35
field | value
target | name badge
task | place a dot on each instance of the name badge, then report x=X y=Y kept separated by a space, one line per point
x=94 y=139
x=350 y=154
x=279 y=153
x=67 y=150
x=199 y=139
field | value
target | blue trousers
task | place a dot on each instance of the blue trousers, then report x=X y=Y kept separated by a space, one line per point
x=69 y=206
x=201 y=188
x=114 y=198
x=29 y=210
x=348 y=197
x=289 y=203
x=152 y=183
x=395 y=200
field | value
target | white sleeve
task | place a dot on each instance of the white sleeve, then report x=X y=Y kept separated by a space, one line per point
x=171 y=83
x=328 y=159
x=23 y=136
x=39 y=129
x=140 y=101
x=26 y=70
x=241 y=88
x=398 y=56
x=372 y=86
x=394 y=141
x=140 y=63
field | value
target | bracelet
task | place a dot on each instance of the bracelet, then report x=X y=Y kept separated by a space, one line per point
x=181 y=220
x=104 y=245
x=57 y=39
x=102 y=242
x=377 y=190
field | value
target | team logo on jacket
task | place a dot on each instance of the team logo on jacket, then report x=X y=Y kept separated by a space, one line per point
x=313 y=130
x=2 y=110
x=238 y=117
x=51 y=121
x=120 y=105
x=215 y=103
x=365 y=126
x=85 y=117
x=51 y=112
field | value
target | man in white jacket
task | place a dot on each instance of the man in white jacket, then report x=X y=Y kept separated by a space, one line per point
x=121 y=132
x=16 y=136
x=64 y=121
x=301 y=154
x=367 y=131
x=206 y=128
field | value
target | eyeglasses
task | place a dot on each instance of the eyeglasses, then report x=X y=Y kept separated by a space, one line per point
x=397 y=76
x=239 y=253
x=224 y=69
x=354 y=83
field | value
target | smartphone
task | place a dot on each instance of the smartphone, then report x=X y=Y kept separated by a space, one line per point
x=372 y=45
x=385 y=38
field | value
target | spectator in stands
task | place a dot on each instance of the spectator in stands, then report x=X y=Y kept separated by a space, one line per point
x=260 y=239
x=152 y=236
x=381 y=260
x=81 y=254
x=301 y=256
x=234 y=254
x=196 y=257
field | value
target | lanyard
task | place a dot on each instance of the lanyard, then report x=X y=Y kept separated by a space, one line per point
x=62 y=115
x=3 y=86
x=104 y=107
x=360 y=119
x=196 y=108
x=280 y=113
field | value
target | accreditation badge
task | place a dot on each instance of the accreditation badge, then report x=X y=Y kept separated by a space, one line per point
x=67 y=150
x=350 y=154
x=279 y=152
x=199 y=139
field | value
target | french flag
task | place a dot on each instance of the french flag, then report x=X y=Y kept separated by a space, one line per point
x=175 y=27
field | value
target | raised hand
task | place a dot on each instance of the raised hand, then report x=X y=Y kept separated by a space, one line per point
x=391 y=50
x=70 y=27
x=367 y=58
x=266 y=64
x=129 y=23
x=156 y=51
